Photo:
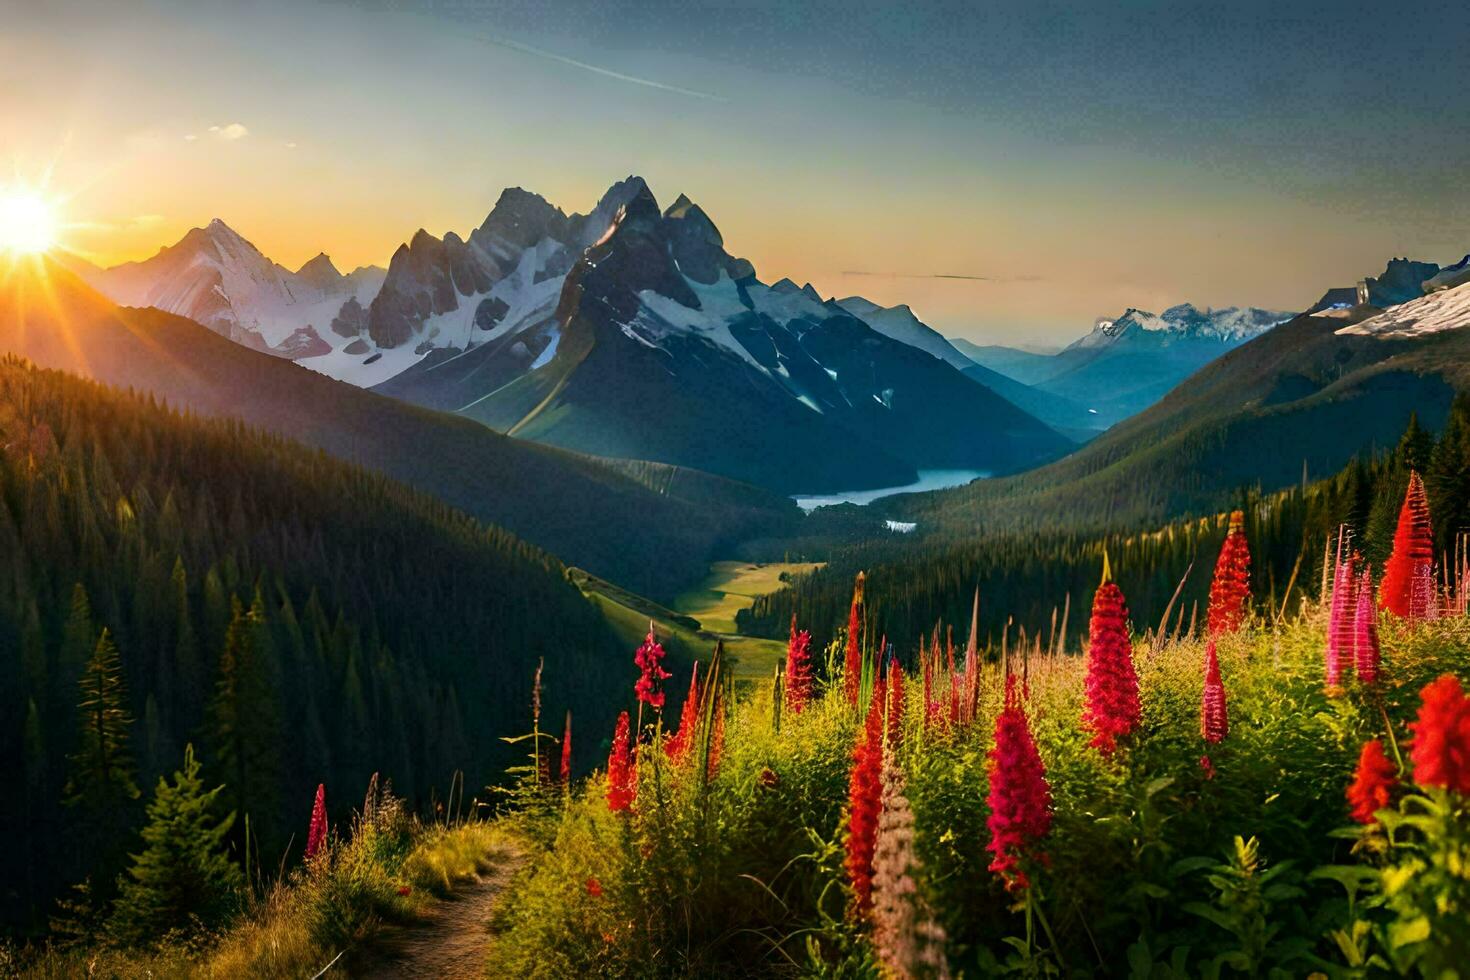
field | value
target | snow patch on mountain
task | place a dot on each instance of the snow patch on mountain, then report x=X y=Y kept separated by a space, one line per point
x=1446 y=309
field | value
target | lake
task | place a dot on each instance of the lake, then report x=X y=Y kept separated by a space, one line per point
x=928 y=480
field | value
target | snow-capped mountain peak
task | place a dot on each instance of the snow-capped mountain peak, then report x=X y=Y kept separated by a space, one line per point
x=1230 y=325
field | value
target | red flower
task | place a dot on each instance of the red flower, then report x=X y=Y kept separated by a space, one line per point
x=677 y=748
x=768 y=778
x=1413 y=552
x=1020 y=799
x=1214 y=718
x=405 y=890
x=1340 y=620
x=864 y=797
x=316 y=834
x=798 y=669
x=1366 y=656
x=717 y=738
x=852 y=668
x=594 y=888
x=1372 y=786
x=1441 y=744
x=1113 y=709
x=1231 y=589
x=621 y=776
x=1207 y=766
x=649 y=659
x=895 y=702
x=566 y=752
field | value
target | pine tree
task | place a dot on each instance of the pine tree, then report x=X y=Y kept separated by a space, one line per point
x=182 y=879
x=1447 y=478
x=1415 y=445
x=102 y=766
x=243 y=722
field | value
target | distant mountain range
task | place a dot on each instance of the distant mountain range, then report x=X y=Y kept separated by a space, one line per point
x=1127 y=363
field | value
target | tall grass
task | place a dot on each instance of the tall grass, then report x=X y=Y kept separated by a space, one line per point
x=389 y=871
x=1151 y=859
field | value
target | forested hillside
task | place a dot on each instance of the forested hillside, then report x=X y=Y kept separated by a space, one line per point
x=1026 y=579
x=167 y=579
x=580 y=509
x=1299 y=396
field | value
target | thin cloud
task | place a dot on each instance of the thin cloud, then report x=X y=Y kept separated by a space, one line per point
x=231 y=132
x=597 y=70
x=939 y=275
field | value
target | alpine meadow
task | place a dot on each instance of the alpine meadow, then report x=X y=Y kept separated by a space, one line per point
x=648 y=489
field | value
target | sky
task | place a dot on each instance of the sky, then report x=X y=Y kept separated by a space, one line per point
x=1011 y=170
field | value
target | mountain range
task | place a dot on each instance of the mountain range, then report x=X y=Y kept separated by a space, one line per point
x=627 y=332
x=1298 y=401
x=1127 y=363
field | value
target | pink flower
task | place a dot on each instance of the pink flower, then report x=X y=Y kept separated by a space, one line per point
x=1366 y=655
x=1020 y=798
x=678 y=746
x=1113 y=710
x=864 y=798
x=1340 y=621
x=1402 y=592
x=649 y=659
x=1231 y=589
x=852 y=667
x=622 y=786
x=316 y=834
x=798 y=669
x=566 y=753
x=1214 y=719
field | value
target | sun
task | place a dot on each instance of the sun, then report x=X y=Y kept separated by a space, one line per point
x=28 y=221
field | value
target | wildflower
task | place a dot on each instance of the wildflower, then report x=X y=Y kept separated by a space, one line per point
x=1413 y=552
x=1020 y=799
x=566 y=753
x=1214 y=718
x=677 y=748
x=852 y=668
x=621 y=785
x=1365 y=632
x=405 y=890
x=1441 y=743
x=1230 y=591
x=716 y=739
x=895 y=702
x=594 y=888
x=1207 y=766
x=864 y=797
x=1340 y=619
x=649 y=659
x=1112 y=710
x=908 y=940
x=1372 y=787
x=768 y=778
x=798 y=669
x=316 y=834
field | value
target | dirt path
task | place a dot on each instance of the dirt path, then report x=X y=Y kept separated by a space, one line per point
x=453 y=939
